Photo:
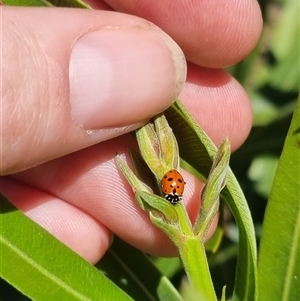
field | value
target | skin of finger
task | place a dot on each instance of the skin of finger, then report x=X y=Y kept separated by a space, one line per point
x=36 y=113
x=74 y=227
x=212 y=34
x=219 y=104
x=90 y=180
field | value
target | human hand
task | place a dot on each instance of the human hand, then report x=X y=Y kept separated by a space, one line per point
x=55 y=119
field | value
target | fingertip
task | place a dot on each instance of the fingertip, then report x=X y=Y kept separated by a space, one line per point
x=228 y=32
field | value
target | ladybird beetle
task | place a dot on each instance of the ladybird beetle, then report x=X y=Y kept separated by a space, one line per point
x=172 y=186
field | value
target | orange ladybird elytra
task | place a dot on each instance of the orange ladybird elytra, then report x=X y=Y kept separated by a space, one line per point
x=172 y=185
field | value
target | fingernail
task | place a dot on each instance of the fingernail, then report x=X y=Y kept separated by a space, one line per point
x=124 y=75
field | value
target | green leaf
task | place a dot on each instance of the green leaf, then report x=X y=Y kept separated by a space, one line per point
x=132 y=179
x=279 y=263
x=214 y=242
x=150 y=149
x=160 y=207
x=197 y=150
x=211 y=192
x=69 y=3
x=27 y=2
x=43 y=268
x=131 y=270
x=168 y=143
x=50 y=3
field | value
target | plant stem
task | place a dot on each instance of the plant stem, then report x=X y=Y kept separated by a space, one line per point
x=192 y=253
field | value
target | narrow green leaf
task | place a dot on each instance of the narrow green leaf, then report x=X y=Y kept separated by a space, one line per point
x=43 y=268
x=158 y=204
x=168 y=143
x=27 y=3
x=214 y=242
x=223 y=298
x=211 y=192
x=69 y=3
x=197 y=150
x=150 y=149
x=132 y=179
x=131 y=270
x=50 y=3
x=279 y=263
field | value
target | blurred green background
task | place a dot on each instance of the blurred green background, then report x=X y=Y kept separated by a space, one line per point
x=270 y=75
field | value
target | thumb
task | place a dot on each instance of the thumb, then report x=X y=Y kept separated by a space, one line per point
x=72 y=78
